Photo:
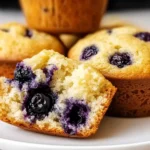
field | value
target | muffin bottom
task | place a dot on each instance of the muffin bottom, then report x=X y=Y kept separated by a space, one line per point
x=7 y=68
x=132 y=98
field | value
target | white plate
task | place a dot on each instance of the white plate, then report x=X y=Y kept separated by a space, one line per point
x=113 y=134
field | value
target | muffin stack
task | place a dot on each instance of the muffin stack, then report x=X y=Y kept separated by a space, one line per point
x=52 y=94
x=47 y=93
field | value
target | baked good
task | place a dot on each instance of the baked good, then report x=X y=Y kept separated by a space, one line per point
x=69 y=16
x=69 y=39
x=123 y=56
x=55 y=95
x=18 y=42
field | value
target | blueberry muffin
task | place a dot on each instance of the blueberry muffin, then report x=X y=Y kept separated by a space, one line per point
x=55 y=95
x=123 y=56
x=18 y=42
x=67 y=16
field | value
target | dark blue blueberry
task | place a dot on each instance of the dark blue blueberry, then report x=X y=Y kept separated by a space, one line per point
x=28 y=33
x=88 y=52
x=145 y=36
x=23 y=74
x=49 y=73
x=120 y=59
x=38 y=102
x=75 y=115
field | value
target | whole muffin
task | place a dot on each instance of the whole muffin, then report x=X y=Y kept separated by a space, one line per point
x=18 y=42
x=123 y=56
x=67 y=16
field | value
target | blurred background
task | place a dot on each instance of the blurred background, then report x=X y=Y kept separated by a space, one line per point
x=113 y=4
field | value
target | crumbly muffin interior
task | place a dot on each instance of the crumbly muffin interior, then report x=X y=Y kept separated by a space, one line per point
x=51 y=93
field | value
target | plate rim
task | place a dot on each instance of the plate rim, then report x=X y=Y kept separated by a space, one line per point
x=131 y=145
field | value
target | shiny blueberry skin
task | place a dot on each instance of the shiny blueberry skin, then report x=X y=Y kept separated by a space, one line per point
x=145 y=36
x=28 y=33
x=89 y=52
x=23 y=74
x=75 y=115
x=38 y=102
x=120 y=59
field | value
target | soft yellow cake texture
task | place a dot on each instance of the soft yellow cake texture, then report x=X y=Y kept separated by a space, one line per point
x=75 y=95
x=18 y=42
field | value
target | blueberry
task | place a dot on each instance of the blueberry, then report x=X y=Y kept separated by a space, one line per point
x=28 y=33
x=39 y=102
x=120 y=59
x=145 y=36
x=49 y=73
x=88 y=52
x=109 y=31
x=74 y=116
x=23 y=74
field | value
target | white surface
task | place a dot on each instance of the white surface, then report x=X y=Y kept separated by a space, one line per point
x=11 y=16
x=139 y=18
x=113 y=134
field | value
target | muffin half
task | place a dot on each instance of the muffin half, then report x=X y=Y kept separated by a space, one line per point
x=55 y=95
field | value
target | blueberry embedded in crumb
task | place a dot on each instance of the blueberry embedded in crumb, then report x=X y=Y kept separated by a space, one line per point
x=88 y=52
x=49 y=72
x=75 y=115
x=23 y=74
x=28 y=33
x=38 y=102
x=120 y=59
x=145 y=36
x=109 y=31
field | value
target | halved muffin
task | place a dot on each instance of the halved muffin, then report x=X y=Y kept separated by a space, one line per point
x=55 y=95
